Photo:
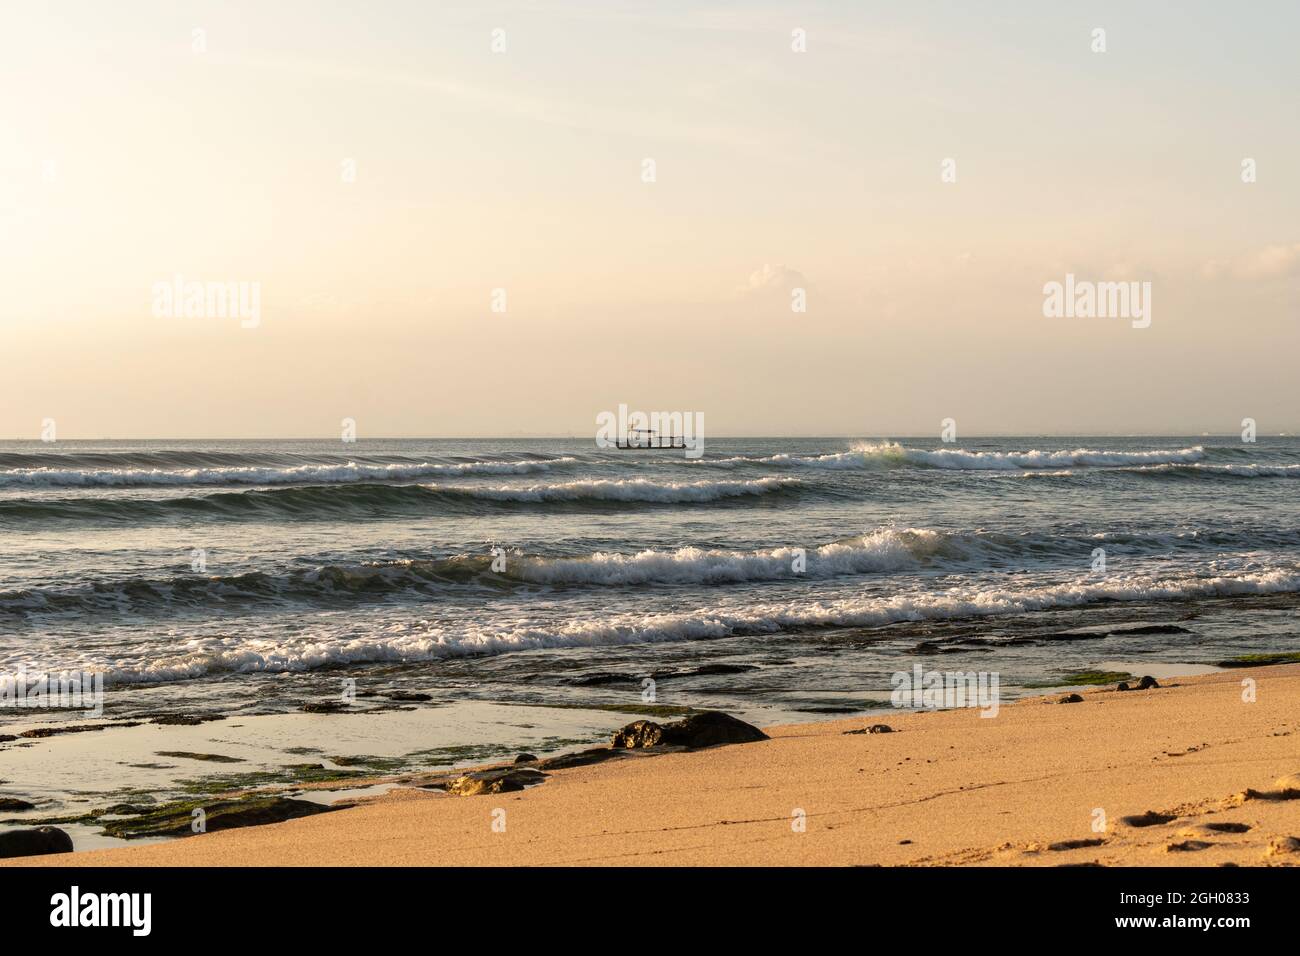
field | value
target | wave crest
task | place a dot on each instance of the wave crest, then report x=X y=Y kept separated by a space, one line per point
x=892 y=453
x=249 y=475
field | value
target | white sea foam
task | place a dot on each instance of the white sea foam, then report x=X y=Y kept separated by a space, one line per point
x=885 y=550
x=301 y=474
x=894 y=453
x=627 y=489
x=877 y=454
x=1236 y=471
x=435 y=641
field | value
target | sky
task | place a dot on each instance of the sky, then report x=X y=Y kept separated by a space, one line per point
x=386 y=175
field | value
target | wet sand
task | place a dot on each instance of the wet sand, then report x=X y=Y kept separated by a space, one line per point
x=1042 y=783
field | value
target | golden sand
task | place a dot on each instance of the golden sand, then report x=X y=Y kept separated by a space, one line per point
x=1041 y=784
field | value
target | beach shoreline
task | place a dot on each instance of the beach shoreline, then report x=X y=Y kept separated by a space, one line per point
x=1042 y=783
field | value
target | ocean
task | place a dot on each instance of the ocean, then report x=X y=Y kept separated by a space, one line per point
x=539 y=592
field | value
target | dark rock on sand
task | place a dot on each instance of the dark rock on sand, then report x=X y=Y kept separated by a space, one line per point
x=184 y=720
x=1070 y=699
x=873 y=729
x=506 y=780
x=35 y=842
x=190 y=755
x=602 y=678
x=10 y=803
x=5 y=738
x=177 y=819
x=708 y=729
x=582 y=758
x=1146 y=683
x=640 y=733
x=40 y=732
x=526 y=758
x=325 y=707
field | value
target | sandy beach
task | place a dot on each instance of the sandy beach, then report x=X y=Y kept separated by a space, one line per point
x=1043 y=783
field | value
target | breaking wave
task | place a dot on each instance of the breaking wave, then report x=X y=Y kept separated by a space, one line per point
x=249 y=475
x=892 y=453
x=627 y=489
x=369 y=500
x=428 y=641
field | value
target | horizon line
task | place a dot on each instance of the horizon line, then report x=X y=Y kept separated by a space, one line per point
x=573 y=437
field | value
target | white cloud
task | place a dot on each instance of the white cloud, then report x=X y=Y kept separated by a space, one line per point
x=773 y=278
x=1271 y=262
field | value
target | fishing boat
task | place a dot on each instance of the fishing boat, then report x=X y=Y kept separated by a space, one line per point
x=647 y=438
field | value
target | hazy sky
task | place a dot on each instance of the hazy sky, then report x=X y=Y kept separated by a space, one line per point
x=133 y=149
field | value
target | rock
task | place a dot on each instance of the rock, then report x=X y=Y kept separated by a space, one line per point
x=526 y=758
x=42 y=732
x=582 y=758
x=190 y=755
x=711 y=728
x=177 y=819
x=640 y=733
x=325 y=707
x=506 y=780
x=5 y=738
x=1147 y=683
x=408 y=695
x=1070 y=699
x=10 y=803
x=185 y=720
x=873 y=729
x=35 y=842
x=600 y=678
x=1122 y=686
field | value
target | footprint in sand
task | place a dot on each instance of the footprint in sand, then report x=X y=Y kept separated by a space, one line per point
x=1283 y=846
x=1034 y=848
x=1285 y=788
x=1214 y=829
x=1075 y=844
x=1188 y=846
x=1149 y=819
